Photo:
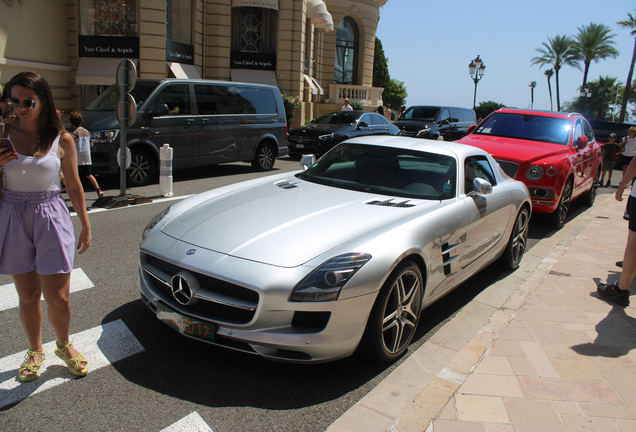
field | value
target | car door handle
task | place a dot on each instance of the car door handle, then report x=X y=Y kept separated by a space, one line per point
x=190 y=121
x=204 y=121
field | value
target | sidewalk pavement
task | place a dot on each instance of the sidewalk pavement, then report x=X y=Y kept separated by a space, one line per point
x=537 y=351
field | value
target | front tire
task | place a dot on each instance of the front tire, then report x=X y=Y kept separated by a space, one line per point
x=557 y=218
x=264 y=157
x=518 y=239
x=143 y=168
x=395 y=314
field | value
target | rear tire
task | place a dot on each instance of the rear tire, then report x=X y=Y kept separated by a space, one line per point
x=589 y=197
x=264 y=157
x=395 y=315
x=518 y=239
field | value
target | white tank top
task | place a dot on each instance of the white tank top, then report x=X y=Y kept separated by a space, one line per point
x=34 y=174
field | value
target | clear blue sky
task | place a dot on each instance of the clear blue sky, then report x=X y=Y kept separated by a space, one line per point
x=429 y=45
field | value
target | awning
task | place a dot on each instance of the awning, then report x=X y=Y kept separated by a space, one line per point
x=97 y=70
x=311 y=85
x=254 y=76
x=320 y=16
x=181 y=70
x=320 y=90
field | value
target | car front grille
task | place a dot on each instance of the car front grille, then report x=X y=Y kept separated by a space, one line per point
x=303 y=140
x=204 y=308
x=509 y=168
x=314 y=321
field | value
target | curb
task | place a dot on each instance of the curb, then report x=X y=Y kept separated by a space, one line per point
x=414 y=393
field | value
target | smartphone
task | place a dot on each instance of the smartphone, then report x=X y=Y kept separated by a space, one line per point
x=5 y=143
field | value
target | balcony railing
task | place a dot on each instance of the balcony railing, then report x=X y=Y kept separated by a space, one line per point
x=366 y=95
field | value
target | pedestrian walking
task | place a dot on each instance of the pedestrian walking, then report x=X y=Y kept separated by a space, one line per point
x=83 y=144
x=618 y=292
x=36 y=231
x=610 y=150
x=388 y=112
x=380 y=110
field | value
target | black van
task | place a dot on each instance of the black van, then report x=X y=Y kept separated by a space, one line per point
x=433 y=122
x=205 y=122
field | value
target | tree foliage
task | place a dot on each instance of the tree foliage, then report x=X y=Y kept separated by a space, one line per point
x=485 y=108
x=630 y=24
x=394 y=94
x=381 y=77
x=593 y=42
x=558 y=52
x=597 y=106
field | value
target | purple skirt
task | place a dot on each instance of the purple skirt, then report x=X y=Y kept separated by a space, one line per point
x=37 y=234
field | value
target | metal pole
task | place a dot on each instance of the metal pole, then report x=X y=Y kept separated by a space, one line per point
x=123 y=98
x=475 y=95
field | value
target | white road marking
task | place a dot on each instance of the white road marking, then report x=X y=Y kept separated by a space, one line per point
x=9 y=296
x=190 y=423
x=158 y=200
x=101 y=346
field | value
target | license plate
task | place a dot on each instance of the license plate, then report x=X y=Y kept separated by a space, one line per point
x=300 y=145
x=186 y=325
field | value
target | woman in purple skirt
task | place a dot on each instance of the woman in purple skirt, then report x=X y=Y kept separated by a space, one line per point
x=36 y=232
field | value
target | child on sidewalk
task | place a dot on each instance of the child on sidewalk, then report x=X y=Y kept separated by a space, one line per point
x=610 y=150
x=84 y=143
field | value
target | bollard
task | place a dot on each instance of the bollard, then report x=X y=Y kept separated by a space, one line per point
x=165 y=171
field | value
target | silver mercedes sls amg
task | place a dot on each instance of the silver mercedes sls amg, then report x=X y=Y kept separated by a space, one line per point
x=311 y=265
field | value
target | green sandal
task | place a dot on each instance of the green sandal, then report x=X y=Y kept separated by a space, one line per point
x=73 y=364
x=34 y=367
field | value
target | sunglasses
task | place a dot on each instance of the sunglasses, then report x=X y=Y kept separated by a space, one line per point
x=26 y=103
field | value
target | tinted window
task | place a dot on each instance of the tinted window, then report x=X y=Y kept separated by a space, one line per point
x=339 y=117
x=587 y=130
x=377 y=119
x=469 y=116
x=366 y=118
x=108 y=99
x=578 y=129
x=177 y=97
x=421 y=113
x=218 y=99
x=456 y=115
x=477 y=167
x=444 y=116
x=257 y=100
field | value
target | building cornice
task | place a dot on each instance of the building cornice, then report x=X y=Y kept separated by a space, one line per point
x=356 y=7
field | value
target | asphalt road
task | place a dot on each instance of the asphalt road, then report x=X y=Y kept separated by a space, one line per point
x=174 y=377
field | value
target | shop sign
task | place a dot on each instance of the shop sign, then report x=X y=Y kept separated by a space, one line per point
x=179 y=52
x=268 y=4
x=258 y=61
x=108 y=46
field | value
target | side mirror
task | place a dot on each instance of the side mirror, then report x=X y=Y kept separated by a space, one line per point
x=307 y=161
x=471 y=129
x=363 y=124
x=581 y=142
x=481 y=187
x=159 y=110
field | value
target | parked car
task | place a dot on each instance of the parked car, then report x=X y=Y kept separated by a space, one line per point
x=436 y=122
x=553 y=153
x=331 y=128
x=311 y=265
x=205 y=122
x=602 y=129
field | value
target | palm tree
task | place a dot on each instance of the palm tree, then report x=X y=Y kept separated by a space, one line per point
x=532 y=85
x=630 y=23
x=594 y=43
x=548 y=73
x=556 y=53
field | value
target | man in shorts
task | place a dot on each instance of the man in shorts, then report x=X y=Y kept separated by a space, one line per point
x=609 y=157
x=84 y=143
x=618 y=292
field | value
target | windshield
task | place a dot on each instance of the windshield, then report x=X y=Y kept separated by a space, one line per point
x=385 y=171
x=420 y=113
x=527 y=127
x=344 y=118
x=108 y=99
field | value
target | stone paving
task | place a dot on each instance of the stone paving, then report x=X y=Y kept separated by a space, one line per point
x=536 y=352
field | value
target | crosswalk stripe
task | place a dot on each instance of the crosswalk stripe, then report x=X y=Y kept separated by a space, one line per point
x=9 y=296
x=100 y=345
x=190 y=423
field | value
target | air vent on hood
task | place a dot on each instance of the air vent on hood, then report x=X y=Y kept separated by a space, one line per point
x=391 y=203
x=286 y=184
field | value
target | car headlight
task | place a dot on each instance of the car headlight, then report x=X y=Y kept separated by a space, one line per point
x=153 y=223
x=104 y=136
x=325 y=138
x=325 y=282
x=534 y=173
x=423 y=132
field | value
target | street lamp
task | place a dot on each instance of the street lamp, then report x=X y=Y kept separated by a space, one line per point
x=585 y=92
x=476 y=70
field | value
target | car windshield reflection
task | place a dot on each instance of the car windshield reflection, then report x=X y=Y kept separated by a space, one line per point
x=345 y=118
x=386 y=171
x=422 y=114
x=527 y=127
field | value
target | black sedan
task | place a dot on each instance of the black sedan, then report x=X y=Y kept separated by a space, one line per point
x=332 y=128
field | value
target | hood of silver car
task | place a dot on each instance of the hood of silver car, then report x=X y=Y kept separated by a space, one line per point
x=286 y=223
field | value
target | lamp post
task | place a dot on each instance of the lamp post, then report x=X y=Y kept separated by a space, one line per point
x=585 y=92
x=476 y=70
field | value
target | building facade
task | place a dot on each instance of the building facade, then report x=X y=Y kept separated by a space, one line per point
x=319 y=51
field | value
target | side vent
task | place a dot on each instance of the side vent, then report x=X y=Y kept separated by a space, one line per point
x=391 y=203
x=286 y=184
x=447 y=258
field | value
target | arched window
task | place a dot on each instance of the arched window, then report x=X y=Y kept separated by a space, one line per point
x=346 y=69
